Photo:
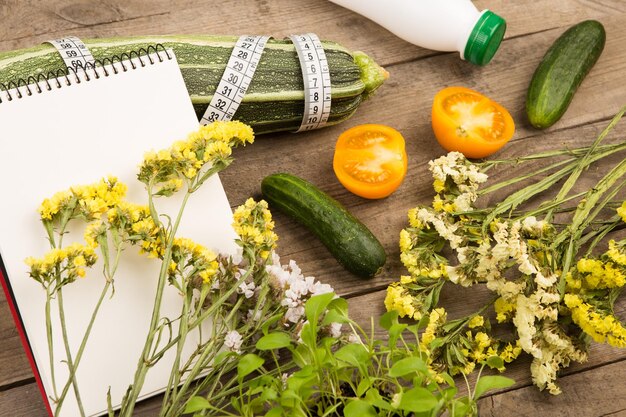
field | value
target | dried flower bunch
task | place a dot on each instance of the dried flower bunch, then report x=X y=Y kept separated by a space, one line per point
x=546 y=281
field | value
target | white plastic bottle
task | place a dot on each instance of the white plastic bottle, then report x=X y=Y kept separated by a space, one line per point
x=442 y=25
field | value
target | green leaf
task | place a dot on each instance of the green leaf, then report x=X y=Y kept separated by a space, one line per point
x=363 y=386
x=275 y=412
x=196 y=404
x=355 y=354
x=334 y=316
x=222 y=356
x=269 y=394
x=276 y=340
x=495 y=362
x=418 y=400
x=340 y=305
x=395 y=331
x=271 y=321
x=388 y=319
x=359 y=408
x=316 y=306
x=309 y=335
x=438 y=342
x=407 y=366
x=374 y=398
x=248 y=364
x=490 y=382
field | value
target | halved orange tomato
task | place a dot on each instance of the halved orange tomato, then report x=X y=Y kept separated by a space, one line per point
x=468 y=122
x=370 y=160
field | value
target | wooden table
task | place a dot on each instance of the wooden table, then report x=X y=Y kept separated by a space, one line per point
x=595 y=388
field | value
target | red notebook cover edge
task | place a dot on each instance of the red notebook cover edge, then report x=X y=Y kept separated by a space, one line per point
x=17 y=318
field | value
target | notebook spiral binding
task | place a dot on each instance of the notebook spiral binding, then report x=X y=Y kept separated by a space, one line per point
x=71 y=75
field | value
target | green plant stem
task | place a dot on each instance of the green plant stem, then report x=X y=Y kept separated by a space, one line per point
x=128 y=405
x=599 y=235
x=205 y=358
x=68 y=353
x=81 y=348
x=583 y=215
x=51 y=345
x=585 y=161
x=526 y=193
x=576 y=152
x=175 y=373
x=515 y=180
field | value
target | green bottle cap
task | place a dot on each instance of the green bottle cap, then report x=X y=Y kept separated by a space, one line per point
x=485 y=38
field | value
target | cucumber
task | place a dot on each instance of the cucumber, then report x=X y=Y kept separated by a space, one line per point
x=275 y=98
x=349 y=240
x=561 y=71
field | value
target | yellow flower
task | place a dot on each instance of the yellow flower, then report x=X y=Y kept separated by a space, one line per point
x=413 y=220
x=602 y=328
x=405 y=279
x=476 y=321
x=599 y=274
x=405 y=241
x=438 y=204
x=504 y=310
x=253 y=223
x=209 y=144
x=199 y=259
x=51 y=206
x=398 y=299
x=622 y=211
x=438 y=185
x=62 y=265
x=615 y=254
x=436 y=319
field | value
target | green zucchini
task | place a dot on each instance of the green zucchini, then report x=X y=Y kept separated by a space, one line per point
x=275 y=97
x=561 y=71
x=349 y=240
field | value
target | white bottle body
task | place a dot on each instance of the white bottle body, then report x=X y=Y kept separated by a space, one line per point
x=441 y=25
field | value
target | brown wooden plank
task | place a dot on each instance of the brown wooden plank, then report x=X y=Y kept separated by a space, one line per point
x=598 y=392
x=14 y=366
x=23 y=401
x=29 y=23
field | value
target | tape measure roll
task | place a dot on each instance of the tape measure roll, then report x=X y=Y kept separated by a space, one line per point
x=73 y=51
x=316 y=75
x=236 y=79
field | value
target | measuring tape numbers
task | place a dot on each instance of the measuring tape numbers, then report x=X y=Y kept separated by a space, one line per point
x=316 y=75
x=236 y=79
x=73 y=51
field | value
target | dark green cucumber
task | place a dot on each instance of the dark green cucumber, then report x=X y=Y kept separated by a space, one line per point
x=349 y=240
x=561 y=71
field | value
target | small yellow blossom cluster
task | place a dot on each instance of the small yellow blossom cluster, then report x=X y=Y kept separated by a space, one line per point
x=61 y=266
x=399 y=299
x=255 y=227
x=185 y=159
x=604 y=273
x=131 y=223
x=505 y=310
x=87 y=201
x=603 y=328
x=458 y=351
x=594 y=274
x=190 y=259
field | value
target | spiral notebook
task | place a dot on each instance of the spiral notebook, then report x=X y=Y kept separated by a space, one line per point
x=78 y=129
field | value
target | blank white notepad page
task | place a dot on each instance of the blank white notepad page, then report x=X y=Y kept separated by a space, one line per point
x=79 y=134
